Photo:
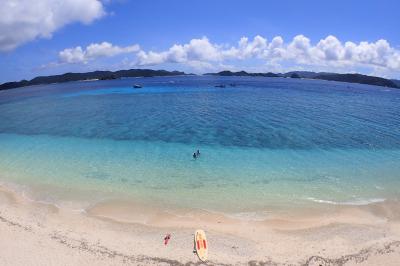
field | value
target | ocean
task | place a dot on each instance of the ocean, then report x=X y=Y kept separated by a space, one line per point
x=266 y=144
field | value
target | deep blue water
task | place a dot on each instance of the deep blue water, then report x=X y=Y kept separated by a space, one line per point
x=270 y=140
x=259 y=112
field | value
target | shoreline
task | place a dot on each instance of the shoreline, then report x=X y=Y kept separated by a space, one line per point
x=104 y=235
x=126 y=209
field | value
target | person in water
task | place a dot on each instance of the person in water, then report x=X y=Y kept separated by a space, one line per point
x=194 y=156
x=198 y=153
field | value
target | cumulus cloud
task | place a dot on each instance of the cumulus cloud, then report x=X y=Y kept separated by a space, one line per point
x=22 y=21
x=327 y=52
x=300 y=52
x=196 y=50
x=94 y=51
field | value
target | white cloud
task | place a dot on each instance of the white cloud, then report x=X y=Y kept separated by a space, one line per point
x=330 y=48
x=22 y=21
x=327 y=52
x=196 y=50
x=94 y=51
x=300 y=52
x=201 y=50
x=106 y=49
x=72 y=55
x=246 y=49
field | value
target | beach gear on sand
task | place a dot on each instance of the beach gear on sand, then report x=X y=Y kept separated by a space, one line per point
x=167 y=238
x=201 y=245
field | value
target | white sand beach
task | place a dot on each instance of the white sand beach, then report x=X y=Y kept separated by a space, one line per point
x=245 y=133
x=107 y=234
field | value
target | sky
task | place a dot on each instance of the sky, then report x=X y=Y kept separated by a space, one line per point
x=45 y=37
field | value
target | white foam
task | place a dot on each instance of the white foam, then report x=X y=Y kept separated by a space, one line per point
x=356 y=202
x=27 y=194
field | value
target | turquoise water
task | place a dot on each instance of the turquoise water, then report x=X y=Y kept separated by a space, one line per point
x=266 y=144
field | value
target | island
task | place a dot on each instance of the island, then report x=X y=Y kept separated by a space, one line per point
x=110 y=75
x=358 y=78
x=243 y=73
x=95 y=75
x=351 y=78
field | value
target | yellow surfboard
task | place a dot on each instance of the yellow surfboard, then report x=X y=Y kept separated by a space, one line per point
x=201 y=245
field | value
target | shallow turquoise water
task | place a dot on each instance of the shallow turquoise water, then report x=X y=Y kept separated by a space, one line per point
x=266 y=143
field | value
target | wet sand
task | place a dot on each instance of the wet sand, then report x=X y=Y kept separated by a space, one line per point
x=124 y=233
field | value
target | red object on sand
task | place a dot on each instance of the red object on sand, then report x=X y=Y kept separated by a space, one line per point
x=167 y=238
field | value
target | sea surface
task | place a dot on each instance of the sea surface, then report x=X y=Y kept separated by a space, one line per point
x=266 y=143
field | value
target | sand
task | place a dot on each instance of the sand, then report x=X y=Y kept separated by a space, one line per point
x=122 y=233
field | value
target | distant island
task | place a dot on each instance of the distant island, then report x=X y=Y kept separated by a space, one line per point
x=351 y=78
x=100 y=75
x=244 y=73
x=108 y=75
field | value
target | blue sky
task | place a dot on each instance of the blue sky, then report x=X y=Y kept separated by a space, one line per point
x=339 y=36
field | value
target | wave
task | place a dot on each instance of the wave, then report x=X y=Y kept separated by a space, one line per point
x=356 y=202
x=26 y=193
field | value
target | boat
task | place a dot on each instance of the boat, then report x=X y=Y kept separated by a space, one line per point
x=137 y=86
x=220 y=86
